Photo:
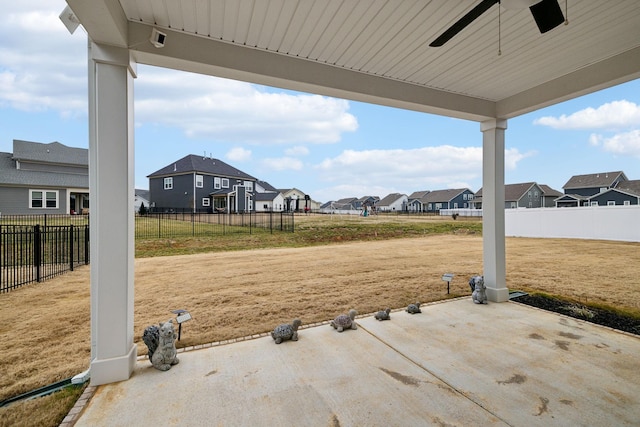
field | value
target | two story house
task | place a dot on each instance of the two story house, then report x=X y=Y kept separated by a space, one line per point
x=457 y=198
x=580 y=188
x=201 y=184
x=521 y=195
x=42 y=178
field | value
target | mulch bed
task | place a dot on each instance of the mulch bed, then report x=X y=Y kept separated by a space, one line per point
x=578 y=311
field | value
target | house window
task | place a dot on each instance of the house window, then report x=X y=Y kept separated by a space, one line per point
x=168 y=183
x=611 y=203
x=249 y=185
x=594 y=203
x=42 y=199
x=438 y=206
x=429 y=207
x=513 y=205
x=603 y=189
x=199 y=181
x=455 y=206
x=529 y=194
x=535 y=193
x=206 y=201
x=225 y=182
x=216 y=183
x=265 y=207
x=627 y=203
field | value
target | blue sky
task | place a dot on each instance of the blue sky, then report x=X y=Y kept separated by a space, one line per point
x=326 y=147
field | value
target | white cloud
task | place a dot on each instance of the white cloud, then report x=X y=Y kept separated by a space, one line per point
x=398 y=170
x=239 y=154
x=612 y=115
x=299 y=150
x=512 y=156
x=622 y=144
x=42 y=66
x=282 y=164
x=229 y=111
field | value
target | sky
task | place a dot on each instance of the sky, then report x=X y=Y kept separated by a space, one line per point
x=326 y=147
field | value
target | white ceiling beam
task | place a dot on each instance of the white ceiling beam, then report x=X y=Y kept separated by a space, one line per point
x=618 y=69
x=212 y=57
x=104 y=20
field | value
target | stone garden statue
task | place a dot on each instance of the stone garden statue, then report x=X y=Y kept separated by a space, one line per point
x=383 y=314
x=479 y=294
x=286 y=331
x=345 y=321
x=161 y=342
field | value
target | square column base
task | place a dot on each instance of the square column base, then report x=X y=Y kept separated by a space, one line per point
x=114 y=369
x=497 y=295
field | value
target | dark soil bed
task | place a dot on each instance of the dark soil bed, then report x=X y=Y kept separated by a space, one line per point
x=590 y=314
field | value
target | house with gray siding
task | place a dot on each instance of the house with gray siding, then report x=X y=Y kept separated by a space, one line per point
x=580 y=188
x=591 y=184
x=549 y=196
x=44 y=178
x=414 y=204
x=201 y=184
x=455 y=198
x=522 y=195
x=367 y=202
x=626 y=193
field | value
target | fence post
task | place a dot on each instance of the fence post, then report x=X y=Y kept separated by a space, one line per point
x=71 y=247
x=37 y=250
x=86 y=244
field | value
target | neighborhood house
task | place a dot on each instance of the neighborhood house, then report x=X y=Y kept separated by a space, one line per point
x=42 y=178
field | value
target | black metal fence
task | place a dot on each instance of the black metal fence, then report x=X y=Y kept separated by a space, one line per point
x=184 y=224
x=32 y=253
x=44 y=219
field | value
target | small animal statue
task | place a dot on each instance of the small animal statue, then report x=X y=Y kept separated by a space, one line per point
x=383 y=315
x=286 y=331
x=161 y=342
x=345 y=321
x=479 y=294
x=413 y=308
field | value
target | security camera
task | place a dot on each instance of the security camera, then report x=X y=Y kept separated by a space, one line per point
x=157 y=38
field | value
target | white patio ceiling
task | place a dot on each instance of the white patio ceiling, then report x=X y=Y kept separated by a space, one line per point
x=378 y=50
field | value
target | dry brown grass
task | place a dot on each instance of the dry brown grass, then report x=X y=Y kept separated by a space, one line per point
x=45 y=326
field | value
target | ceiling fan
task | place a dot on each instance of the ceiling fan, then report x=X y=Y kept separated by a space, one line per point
x=546 y=13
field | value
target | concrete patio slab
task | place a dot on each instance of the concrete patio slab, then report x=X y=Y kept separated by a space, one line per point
x=456 y=363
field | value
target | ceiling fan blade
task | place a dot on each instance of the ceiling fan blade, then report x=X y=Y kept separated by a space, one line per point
x=467 y=19
x=547 y=14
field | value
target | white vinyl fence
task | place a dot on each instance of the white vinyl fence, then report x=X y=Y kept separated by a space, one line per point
x=589 y=222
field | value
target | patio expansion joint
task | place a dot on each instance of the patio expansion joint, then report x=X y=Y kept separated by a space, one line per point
x=424 y=368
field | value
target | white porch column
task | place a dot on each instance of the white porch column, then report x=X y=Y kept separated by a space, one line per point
x=493 y=241
x=111 y=186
